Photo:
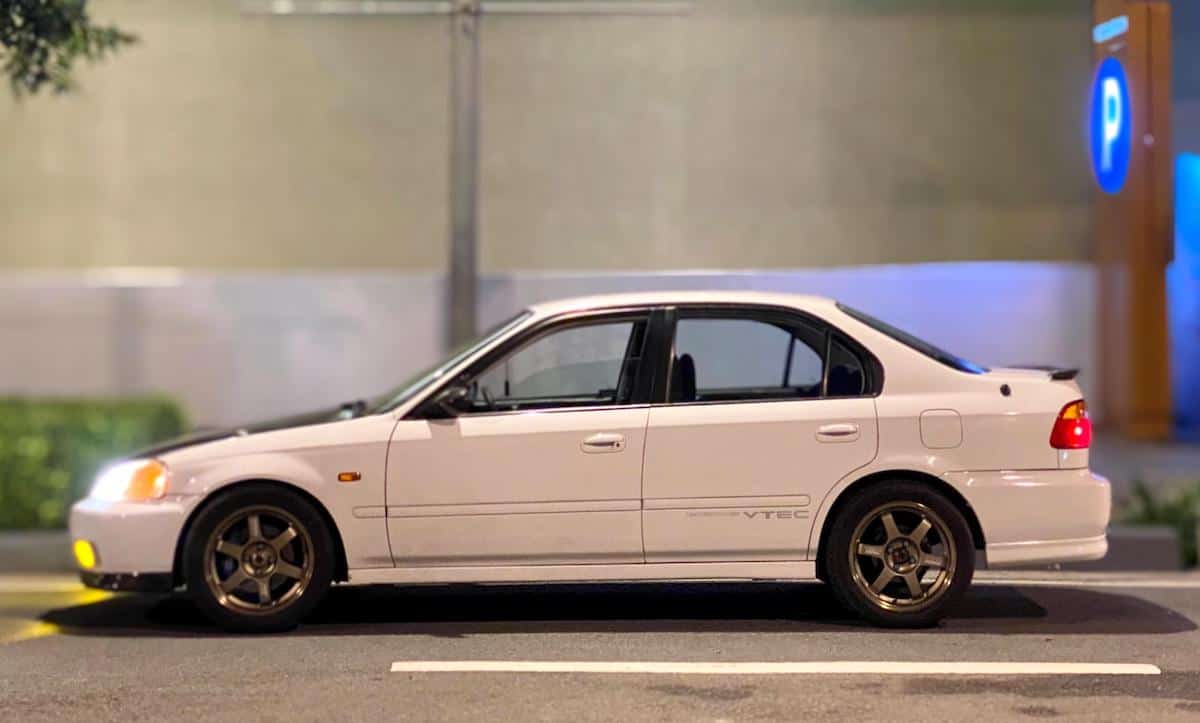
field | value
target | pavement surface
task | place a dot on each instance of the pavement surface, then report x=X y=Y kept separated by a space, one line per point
x=72 y=654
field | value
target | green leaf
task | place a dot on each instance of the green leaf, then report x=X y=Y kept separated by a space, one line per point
x=41 y=40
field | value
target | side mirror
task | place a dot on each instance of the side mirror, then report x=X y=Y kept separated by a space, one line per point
x=453 y=400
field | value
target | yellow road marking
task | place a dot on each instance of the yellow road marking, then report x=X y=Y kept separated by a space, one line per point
x=32 y=630
x=21 y=606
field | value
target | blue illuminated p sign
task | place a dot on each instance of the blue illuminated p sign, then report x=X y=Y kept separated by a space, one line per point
x=1110 y=126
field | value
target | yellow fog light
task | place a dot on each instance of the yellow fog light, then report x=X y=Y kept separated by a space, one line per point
x=85 y=554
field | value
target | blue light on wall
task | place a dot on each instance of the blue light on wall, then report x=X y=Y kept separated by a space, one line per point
x=1183 y=294
x=1110 y=126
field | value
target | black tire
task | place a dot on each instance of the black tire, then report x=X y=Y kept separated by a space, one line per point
x=893 y=559
x=308 y=557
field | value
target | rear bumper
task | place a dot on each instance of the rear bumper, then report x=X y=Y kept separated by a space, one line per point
x=1039 y=516
x=1046 y=551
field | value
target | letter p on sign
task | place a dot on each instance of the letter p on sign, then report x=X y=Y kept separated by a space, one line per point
x=1110 y=126
x=1114 y=112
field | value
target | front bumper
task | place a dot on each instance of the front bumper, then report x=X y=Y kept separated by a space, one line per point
x=133 y=541
x=1035 y=517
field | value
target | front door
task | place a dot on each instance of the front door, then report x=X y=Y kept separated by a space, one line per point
x=544 y=468
x=765 y=413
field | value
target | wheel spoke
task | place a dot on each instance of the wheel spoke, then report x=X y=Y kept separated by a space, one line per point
x=264 y=590
x=233 y=581
x=889 y=525
x=282 y=539
x=914 y=585
x=938 y=561
x=287 y=569
x=870 y=550
x=228 y=548
x=255 y=526
x=918 y=535
x=882 y=581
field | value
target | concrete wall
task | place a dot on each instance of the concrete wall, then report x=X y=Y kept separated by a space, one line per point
x=745 y=135
x=231 y=141
x=1185 y=26
x=235 y=347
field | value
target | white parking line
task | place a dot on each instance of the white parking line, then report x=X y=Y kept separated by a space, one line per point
x=1182 y=583
x=833 y=667
x=37 y=584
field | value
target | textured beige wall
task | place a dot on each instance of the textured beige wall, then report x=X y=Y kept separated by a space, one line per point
x=783 y=135
x=230 y=141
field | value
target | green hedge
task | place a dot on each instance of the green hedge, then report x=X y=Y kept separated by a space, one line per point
x=50 y=450
x=1177 y=507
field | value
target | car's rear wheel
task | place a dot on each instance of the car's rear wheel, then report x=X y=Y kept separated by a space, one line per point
x=258 y=559
x=899 y=554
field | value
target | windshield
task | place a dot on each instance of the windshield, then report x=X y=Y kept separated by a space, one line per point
x=929 y=350
x=420 y=380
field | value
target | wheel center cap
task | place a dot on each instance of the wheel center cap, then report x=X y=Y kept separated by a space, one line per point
x=901 y=555
x=259 y=558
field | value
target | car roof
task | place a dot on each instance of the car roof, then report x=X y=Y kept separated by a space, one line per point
x=803 y=302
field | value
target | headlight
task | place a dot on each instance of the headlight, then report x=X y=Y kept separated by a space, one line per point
x=141 y=479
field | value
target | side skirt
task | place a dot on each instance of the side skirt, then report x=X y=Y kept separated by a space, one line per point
x=798 y=570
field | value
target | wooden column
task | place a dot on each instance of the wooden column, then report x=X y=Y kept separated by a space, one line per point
x=1134 y=230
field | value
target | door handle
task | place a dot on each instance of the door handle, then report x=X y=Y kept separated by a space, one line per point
x=843 y=432
x=603 y=442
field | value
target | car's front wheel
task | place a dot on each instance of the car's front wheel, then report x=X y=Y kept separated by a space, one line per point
x=899 y=554
x=258 y=559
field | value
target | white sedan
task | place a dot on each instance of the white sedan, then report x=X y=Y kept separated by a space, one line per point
x=666 y=436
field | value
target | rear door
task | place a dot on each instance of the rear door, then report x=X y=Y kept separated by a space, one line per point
x=764 y=412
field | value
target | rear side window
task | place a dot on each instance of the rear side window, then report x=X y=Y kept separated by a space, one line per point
x=745 y=359
x=733 y=353
x=920 y=345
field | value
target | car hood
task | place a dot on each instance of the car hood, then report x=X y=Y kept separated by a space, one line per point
x=204 y=435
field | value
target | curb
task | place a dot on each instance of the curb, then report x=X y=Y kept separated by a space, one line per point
x=36 y=551
x=1150 y=547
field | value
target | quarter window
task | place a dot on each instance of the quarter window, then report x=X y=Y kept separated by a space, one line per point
x=846 y=376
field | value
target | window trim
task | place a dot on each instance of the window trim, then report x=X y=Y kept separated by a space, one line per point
x=642 y=384
x=872 y=368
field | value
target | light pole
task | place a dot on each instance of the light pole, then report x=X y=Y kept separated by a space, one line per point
x=464 y=172
x=461 y=289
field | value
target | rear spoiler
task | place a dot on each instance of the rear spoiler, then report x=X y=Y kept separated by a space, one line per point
x=1058 y=374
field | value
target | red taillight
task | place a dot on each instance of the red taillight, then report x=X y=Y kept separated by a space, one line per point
x=1072 y=429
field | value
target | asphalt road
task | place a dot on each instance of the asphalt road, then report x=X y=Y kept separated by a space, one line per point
x=68 y=654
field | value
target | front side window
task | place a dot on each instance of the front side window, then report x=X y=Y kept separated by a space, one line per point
x=728 y=359
x=583 y=365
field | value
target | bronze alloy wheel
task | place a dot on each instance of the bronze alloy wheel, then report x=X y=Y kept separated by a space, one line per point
x=258 y=561
x=902 y=557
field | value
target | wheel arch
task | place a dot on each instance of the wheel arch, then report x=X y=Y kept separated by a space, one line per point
x=939 y=485
x=341 y=568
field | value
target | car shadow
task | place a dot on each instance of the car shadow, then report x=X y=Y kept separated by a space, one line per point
x=461 y=610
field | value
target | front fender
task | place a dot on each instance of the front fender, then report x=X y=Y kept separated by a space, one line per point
x=355 y=508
